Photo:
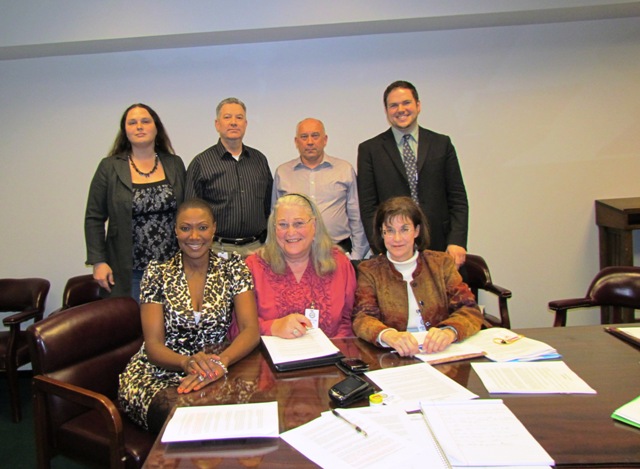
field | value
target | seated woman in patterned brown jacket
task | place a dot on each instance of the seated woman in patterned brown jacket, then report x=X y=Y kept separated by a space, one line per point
x=408 y=288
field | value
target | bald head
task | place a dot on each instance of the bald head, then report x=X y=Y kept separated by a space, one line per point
x=310 y=141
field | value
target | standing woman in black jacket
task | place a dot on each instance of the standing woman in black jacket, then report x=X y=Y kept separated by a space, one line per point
x=132 y=203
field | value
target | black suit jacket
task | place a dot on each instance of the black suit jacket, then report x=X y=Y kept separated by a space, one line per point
x=441 y=191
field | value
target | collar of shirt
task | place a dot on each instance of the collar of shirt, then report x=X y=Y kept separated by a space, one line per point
x=222 y=151
x=327 y=162
x=398 y=135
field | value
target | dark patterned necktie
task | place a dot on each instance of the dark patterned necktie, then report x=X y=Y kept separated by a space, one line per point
x=411 y=166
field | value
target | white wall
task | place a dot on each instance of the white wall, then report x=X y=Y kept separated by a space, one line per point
x=544 y=117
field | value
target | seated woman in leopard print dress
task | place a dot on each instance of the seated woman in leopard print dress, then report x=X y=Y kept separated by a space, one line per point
x=187 y=305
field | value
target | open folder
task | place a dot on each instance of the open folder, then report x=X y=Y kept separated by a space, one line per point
x=308 y=351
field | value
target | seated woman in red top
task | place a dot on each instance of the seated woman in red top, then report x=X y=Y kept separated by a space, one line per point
x=409 y=288
x=301 y=279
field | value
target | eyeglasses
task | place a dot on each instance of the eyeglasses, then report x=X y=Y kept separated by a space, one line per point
x=297 y=225
x=390 y=232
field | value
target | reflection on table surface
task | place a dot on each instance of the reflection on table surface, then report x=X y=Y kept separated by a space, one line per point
x=576 y=430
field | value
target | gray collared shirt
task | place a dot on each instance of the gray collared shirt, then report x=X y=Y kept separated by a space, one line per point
x=332 y=186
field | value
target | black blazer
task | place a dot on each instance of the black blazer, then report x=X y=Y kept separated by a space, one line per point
x=110 y=199
x=441 y=191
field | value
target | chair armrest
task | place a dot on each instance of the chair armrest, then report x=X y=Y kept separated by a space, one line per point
x=112 y=420
x=570 y=303
x=561 y=307
x=497 y=290
x=23 y=316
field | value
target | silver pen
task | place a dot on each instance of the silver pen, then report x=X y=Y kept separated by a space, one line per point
x=356 y=428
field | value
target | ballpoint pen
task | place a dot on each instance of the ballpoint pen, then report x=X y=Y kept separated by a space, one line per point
x=355 y=427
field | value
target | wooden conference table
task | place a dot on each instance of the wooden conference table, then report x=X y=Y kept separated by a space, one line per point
x=576 y=430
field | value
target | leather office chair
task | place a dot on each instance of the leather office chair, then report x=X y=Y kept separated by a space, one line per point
x=479 y=278
x=79 y=290
x=77 y=355
x=612 y=286
x=26 y=298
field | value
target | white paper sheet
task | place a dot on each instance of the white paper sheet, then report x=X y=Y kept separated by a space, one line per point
x=408 y=385
x=531 y=378
x=222 y=422
x=483 y=433
x=420 y=432
x=632 y=331
x=524 y=349
x=331 y=443
x=313 y=344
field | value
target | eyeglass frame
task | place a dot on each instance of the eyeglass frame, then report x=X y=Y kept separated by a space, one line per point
x=297 y=225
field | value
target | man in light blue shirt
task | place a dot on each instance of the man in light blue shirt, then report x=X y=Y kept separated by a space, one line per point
x=330 y=182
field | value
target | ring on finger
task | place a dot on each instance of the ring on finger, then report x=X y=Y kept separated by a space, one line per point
x=200 y=378
x=295 y=332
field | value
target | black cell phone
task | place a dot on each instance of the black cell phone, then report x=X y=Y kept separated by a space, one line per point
x=352 y=365
x=349 y=390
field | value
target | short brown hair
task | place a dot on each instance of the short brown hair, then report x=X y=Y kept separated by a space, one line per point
x=403 y=207
x=400 y=84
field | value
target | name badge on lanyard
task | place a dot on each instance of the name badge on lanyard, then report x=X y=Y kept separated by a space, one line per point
x=313 y=315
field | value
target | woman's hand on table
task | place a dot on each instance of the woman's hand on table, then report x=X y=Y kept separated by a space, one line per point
x=402 y=342
x=437 y=340
x=201 y=370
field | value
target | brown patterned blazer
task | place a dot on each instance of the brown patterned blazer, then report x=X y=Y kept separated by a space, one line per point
x=381 y=297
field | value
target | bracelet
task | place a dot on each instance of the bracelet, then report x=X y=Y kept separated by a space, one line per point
x=220 y=364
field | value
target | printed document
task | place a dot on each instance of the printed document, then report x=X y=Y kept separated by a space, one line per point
x=217 y=422
x=313 y=344
x=331 y=443
x=483 y=433
x=408 y=385
x=503 y=345
x=531 y=378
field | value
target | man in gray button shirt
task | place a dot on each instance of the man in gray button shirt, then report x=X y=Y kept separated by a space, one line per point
x=329 y=181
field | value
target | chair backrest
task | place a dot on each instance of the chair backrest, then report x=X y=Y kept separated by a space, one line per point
x=616 y=286
x=478 y=275
x=80 y=290
x=87 y=346
x=18 y=294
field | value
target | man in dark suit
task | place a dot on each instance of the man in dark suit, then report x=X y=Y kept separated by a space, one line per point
x=408 y=160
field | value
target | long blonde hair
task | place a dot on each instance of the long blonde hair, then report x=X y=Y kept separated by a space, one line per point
x=321 y=247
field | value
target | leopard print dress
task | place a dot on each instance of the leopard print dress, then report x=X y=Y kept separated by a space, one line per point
x=185 y=333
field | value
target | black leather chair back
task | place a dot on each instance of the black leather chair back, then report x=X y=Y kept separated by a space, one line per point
x=87 y=346
x=617 y=286
x=18 y=294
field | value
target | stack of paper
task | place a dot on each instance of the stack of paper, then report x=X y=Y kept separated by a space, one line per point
x=482 y=433
x=451 y=434
x=503 y=345
x=410 y=384
x=531 y=378
x=312 y=349
x=629 y=413
x=219 y=422
x=389 y=440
